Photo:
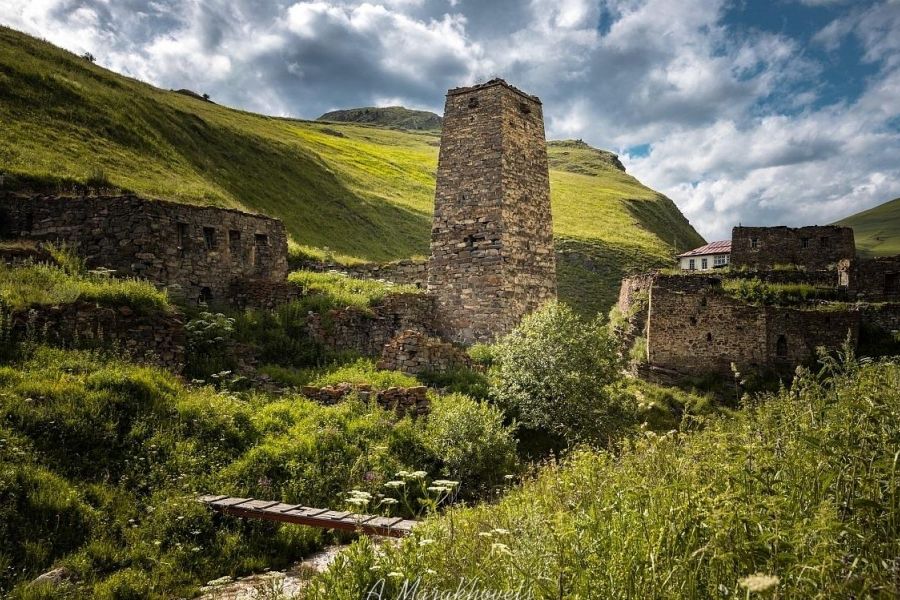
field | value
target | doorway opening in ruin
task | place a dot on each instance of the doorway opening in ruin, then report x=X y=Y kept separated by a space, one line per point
x=781 y=347
x=205 y=296
x=892 y=284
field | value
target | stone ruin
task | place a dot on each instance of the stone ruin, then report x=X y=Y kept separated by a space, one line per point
x=196 y=252
x=492 y=259
x=414 y=352
x=692 y=327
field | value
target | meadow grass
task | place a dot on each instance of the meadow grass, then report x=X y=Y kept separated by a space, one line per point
x=340 y=291
x=40 y=284
x=875 y=230
x=362 y=371
x=800 y=486
x=344 y=191
x=100 y=462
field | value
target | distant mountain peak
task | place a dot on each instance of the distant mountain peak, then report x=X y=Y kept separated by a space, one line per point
x=389 y=116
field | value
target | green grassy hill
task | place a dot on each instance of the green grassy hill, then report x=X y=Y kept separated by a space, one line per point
x=364 y=192
x=877 y=230
x=391 y=116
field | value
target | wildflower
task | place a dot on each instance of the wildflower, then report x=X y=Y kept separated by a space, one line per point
x=485 y=534
x=509 y=477
x=403 y=474
x=759 y=582
x=437 y=488
x=431 y=571
x=418 y=475
x=397 y=574
x=394 y=484
x=426 y=542
x=500 y=531
x=389 y=501
x=445 y=483
x=499 y=548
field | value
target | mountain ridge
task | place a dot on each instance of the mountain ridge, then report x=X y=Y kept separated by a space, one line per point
x=876 y=230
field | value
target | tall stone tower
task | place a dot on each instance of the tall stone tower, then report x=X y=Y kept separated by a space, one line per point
x=492 y=259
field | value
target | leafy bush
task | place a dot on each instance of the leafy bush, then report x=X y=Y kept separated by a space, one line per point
x=798 y=488
x=471 y=442
x=209 y=337
x=561 y=374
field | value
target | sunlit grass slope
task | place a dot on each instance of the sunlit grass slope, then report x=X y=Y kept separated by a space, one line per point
x=877 y=230
x=362 y=191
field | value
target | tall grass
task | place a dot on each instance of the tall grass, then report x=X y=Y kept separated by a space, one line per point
x=21 y=287
x=801 y=486
x=339 y=291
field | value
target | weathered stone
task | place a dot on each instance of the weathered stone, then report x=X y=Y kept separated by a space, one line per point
x=814 y=248
x=492 y=258
x=414 y=352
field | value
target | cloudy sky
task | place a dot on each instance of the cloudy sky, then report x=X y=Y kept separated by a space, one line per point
x=751 y=111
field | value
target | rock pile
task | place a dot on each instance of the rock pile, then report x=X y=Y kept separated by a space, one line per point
x=414 y=352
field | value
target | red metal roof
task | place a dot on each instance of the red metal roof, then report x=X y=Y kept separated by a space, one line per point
x=723 y=247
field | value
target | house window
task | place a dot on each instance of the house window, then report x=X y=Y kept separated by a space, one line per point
x=804 y=242
x=234 y=242
x=704 y=263
x=823 y=241
x=720 y=260
x=692 y=264
x=209 y=237
x=261 y=239
x=754 y=243
x=781 y=347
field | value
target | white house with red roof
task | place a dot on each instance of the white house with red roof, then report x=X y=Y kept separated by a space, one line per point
x=714 y=255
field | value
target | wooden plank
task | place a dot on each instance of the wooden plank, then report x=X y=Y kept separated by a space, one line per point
x=304 y=515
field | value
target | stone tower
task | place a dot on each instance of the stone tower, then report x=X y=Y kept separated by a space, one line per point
x=492 y=259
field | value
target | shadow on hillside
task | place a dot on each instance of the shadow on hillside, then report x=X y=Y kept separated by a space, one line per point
x=289 y=182
x=662 y=218
x=589 y=272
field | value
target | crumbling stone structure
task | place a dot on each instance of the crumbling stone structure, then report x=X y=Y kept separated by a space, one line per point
x=196 y=252
x=155 y=337
x=872 y=279
x=412 y=401
x=815 y=248
x=693 y=327
x=367 y=331
x=415 y=352
x=492 y=259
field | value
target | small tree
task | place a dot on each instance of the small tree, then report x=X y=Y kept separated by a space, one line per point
x=560 y=373
x=89 y=57
x=206 y=96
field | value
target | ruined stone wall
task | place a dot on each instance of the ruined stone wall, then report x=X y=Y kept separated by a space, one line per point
x=262 y=293
x=412 y=401
x=694 y=328
x=157 y=337
x=883 y=315
x=366 y=332
x=415 y=352
x=492 y=258
x=875 y=279
x=195 y=251
x=815 y=247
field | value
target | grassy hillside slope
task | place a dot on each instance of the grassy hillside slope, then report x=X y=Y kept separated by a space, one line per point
x=362 y=191
x=877 y=230
x=392 y=116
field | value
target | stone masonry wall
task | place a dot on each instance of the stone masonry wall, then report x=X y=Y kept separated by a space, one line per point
x=195 y=251
x=875 y=279
x=492 y=258
x=366 y=332
x=156 y=337
x=415 y=352
x=694 y=328
x=412 y=401
x=815 y=247
x=262 y=293
x=402 y=272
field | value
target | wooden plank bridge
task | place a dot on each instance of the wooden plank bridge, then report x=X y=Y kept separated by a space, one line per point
x=324 y=518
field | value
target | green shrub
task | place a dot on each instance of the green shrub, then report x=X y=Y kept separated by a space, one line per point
x=362 y=371
x=459 y=381
x=471 y=442
x=561 y=374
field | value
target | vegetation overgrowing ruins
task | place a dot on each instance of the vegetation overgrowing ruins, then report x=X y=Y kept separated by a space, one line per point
x=720 y=434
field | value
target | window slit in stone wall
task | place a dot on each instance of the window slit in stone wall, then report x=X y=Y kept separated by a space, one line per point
x=209 y=237
x=29 y=223
x=754 y=243
x=261 y=243
x=234 y=243
x=703 y=301
x=709 y=337
x=205 y=296
x=693 y=320
x=524 y=108
x=182 y=238
x=781 y=347
x=473 y=102
x=804 y=242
